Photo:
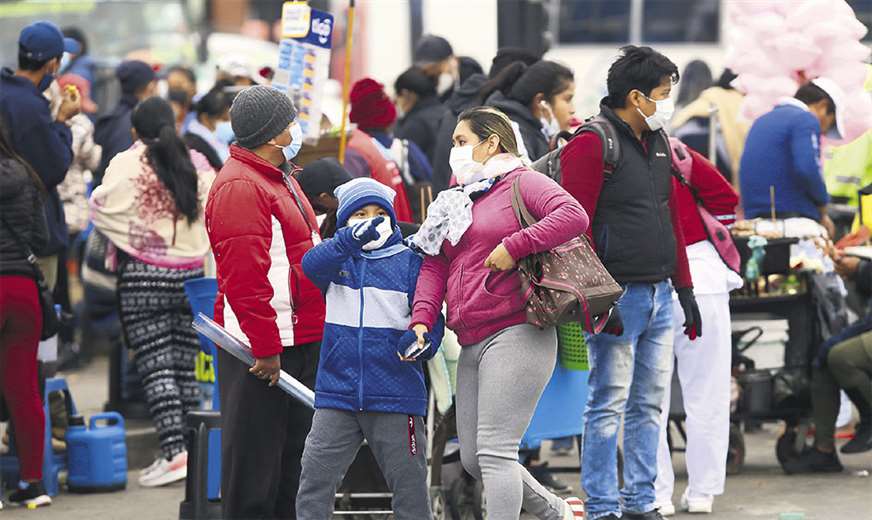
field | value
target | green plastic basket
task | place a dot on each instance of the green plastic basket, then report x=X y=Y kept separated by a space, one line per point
x=573 y=347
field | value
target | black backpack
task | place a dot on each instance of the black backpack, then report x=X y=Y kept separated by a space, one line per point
x=549 y=164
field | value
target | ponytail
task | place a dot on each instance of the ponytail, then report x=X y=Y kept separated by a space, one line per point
x=167 y=154
x=503 y=81
x=545 y=77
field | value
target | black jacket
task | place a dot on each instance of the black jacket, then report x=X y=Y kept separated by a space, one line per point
x=112 y=132
x=463 y=98
x=421 y=125
x=632 y=228
x=531 y=128
x=21 y=209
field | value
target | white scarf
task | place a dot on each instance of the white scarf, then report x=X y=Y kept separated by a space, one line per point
x=450 y=215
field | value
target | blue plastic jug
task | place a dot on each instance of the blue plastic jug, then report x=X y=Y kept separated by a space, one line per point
x=97 y=455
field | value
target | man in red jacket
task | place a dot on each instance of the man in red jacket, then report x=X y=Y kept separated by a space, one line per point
x=637 y=235
x=260 y=224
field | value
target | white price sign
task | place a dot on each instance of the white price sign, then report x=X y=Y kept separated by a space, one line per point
x=295 y=19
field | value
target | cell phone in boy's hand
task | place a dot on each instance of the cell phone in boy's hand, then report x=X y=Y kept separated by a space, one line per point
x=414 y=351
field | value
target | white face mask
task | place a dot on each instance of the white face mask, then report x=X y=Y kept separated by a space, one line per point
x=466 y=169
x=385 y=231
x=446 y=81
x=550 y=126
x=662 y=114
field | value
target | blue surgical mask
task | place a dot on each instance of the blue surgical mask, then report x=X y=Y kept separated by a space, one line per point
x=224 y=132
x=293 y=149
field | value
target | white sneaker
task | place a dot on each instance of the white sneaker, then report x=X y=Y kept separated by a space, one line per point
x=667 y=509
x=574 y=509
x=154 y=465
x=167 y=472
x=701 y=505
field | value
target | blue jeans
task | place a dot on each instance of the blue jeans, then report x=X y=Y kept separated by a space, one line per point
x=628 y=376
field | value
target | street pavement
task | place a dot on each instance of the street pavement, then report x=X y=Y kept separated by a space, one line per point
x=761 y=491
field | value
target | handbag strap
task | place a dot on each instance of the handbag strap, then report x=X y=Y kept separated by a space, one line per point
x=28 y=253
x=521 y=213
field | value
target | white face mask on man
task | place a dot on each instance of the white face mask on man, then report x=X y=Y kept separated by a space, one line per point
x=385 y=230
x=662 y=113
x=445 y=83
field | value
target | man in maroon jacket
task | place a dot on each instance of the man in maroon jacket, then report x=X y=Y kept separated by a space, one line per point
x=636 y=232
x=260 y=224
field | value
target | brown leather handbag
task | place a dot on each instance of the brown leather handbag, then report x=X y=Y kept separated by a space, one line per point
x=567 y=284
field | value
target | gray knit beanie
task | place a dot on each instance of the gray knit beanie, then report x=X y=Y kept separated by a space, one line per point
x=260 y=113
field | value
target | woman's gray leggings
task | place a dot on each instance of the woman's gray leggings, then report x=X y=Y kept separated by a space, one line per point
x=499 y=382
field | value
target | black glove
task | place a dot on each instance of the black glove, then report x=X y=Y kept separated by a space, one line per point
x=692 y=319
x=615 y=326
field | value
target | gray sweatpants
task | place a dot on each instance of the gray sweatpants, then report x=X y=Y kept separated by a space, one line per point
x=499 y=382
x=332 y=444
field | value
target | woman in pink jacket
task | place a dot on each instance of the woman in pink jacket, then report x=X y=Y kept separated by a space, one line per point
x=473 y=242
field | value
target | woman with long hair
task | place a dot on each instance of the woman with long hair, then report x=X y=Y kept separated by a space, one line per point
x=473 y=242
x=212 y=121
x=150 y=206
x=538 y=100
x=23 y=228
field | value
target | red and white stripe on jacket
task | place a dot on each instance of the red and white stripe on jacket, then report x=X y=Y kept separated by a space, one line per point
x=259 y=231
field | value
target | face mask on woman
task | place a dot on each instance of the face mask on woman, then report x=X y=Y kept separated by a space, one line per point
x=466 y=169
x=224 y=132
x=550 y=126
x=662 y=114
x=385 y=230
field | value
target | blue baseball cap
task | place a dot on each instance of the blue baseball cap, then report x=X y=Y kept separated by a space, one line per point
x=42 y=41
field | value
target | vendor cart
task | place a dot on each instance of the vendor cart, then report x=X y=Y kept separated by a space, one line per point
x=781 y=393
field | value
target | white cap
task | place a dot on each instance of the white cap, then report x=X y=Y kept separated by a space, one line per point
x=238 y=66
x=838 y=96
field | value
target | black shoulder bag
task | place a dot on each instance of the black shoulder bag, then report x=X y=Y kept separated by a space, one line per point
x=51 y=323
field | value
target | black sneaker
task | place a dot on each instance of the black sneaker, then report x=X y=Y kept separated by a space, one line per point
x=813 y=461
x=650 y=515
x=543 y=474
x=33 y=495
x=862 y=441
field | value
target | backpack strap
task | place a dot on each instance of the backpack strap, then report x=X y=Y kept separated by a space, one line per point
x=605 y=130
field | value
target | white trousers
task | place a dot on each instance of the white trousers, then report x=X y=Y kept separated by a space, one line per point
x=704 y=373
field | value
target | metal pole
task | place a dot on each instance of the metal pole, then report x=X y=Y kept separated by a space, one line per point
x=636 y=11
x=346 y=82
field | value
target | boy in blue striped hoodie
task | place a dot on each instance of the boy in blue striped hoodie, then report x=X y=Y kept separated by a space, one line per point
x=367 y=387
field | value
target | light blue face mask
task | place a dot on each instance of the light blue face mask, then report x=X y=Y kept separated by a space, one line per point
x=65 y=62
x=293 y=149
x=224 y=132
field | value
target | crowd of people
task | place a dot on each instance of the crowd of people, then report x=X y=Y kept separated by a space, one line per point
x=347 y=275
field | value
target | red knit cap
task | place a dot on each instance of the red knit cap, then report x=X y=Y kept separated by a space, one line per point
x=370 y=106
